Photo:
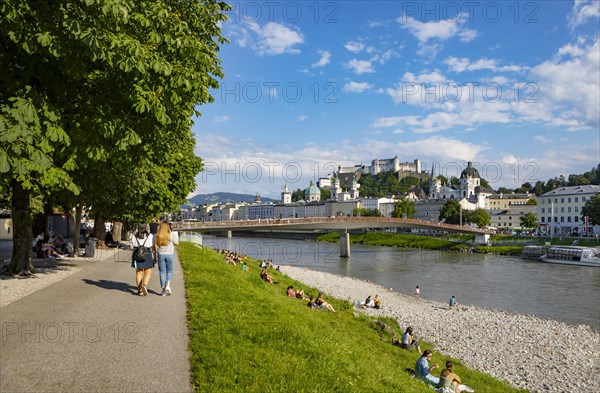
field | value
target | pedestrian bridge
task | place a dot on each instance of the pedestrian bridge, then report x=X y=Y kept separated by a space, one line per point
x=342 y=224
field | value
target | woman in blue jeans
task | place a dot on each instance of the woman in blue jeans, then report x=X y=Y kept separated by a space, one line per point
x=165 y=241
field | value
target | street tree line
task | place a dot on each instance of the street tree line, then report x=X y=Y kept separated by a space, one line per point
x=96 y=108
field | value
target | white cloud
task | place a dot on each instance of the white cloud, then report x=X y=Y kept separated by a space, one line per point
x=360 y=66
x=441 y=30
x=354 y=47
x=302 y=117
x=570 y=86
x=271 y=39
x=221 y=119
x=541 y=138
x=356 y=87
x=464 y=64
x=582 y=12
x=324 y=60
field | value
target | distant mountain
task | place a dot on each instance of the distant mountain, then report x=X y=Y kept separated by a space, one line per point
x=222 y=197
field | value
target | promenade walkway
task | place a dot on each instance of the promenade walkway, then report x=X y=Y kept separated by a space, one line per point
x=92 y=332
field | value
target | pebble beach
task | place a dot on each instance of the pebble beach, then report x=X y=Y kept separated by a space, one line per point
x=540 y=355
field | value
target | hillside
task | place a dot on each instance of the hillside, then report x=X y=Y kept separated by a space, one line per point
x=222 y=197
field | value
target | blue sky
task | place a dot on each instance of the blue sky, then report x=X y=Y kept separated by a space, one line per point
x=512 y=86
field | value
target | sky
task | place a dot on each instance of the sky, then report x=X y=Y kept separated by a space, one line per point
x=309 y=86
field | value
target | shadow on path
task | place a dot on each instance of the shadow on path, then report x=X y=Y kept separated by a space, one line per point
x=119 y=286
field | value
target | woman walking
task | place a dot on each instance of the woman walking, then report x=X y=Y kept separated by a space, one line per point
x=165 y=240
x=142 y=257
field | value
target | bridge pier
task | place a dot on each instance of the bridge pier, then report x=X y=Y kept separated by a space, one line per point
x=482 y=239
x=224 y=234
x=344 y=244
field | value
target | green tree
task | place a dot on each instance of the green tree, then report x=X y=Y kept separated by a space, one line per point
x=479 y=217
x=531 y=201
x=450 y=212
x=325 y=194
x=81 y=81
x=592 y=210
x=529 y=221
x=366 y=212
x=297 y=195
x=404 y=209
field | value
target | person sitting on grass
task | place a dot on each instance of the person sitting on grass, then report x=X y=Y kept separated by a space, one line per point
x=449 y=380
x=422 y=369
x=298 y=294
x=245 y=267
x=322 y=303
x=408 y=342
x=266 y=276
x=311 y=303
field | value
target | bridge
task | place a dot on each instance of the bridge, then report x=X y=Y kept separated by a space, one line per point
x=342 y=224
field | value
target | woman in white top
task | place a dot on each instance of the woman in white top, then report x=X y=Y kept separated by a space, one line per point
x=165 y=240
x=143 y=268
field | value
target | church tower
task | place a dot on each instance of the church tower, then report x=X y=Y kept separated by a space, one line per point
x=335 y=189
x=286 y=196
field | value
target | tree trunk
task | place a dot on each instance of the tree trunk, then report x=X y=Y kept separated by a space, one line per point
x=116 y=232
x=78 y=211
x=99 y=229
x=20 y=262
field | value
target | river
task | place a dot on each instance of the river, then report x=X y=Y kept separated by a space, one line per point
x=565 y=293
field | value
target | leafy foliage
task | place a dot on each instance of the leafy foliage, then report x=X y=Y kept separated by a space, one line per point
x=529 y=220
x=386 y=184
x=105 y=87
x=404 y=209
x=592 y=210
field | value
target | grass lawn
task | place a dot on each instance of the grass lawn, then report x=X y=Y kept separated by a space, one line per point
x=247 y=335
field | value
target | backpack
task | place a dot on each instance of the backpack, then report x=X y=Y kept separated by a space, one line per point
x=140 y=254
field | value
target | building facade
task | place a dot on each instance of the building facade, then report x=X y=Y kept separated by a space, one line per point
x=559 y=210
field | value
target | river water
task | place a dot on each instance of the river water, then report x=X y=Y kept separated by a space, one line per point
x=565 y=293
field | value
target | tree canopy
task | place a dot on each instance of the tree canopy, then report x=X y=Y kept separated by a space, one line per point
x=529 y=221
x=592 y=210
x=97 y=99
x=404 y=209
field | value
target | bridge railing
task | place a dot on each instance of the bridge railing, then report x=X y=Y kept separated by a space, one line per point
x=318 y=220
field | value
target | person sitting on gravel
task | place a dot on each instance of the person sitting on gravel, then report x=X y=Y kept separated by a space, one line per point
x=298 y=294
x=452 y=303
x=323 y=304
x=422 y=369
x=377 y=301
x=369 y=302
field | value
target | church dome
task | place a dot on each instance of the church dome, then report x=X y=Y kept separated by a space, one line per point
x=312 y=190
x=470 y=172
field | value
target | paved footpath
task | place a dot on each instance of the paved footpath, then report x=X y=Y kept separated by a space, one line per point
x=92 y=332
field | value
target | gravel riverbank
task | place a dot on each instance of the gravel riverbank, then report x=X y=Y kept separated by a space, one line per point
x=540 y=355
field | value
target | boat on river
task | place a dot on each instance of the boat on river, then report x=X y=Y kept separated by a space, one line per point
x=572 y=255
x=533 y=251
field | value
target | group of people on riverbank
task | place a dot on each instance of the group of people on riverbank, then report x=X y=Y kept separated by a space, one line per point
x=47 y=245
x=448 y=381
x=372 y=302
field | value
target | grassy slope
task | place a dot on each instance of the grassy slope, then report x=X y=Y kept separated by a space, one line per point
x=246 y=335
